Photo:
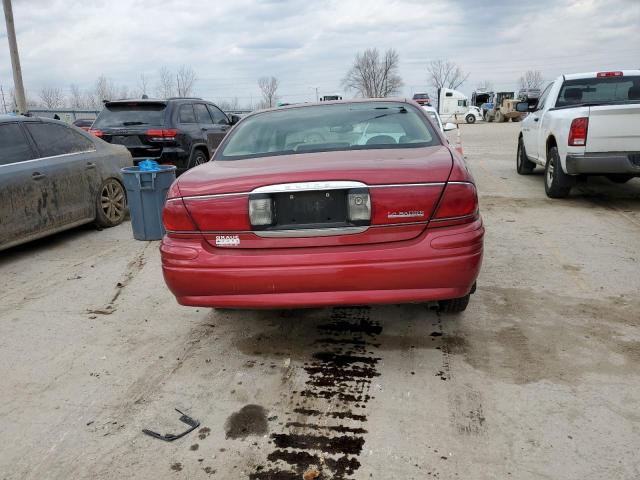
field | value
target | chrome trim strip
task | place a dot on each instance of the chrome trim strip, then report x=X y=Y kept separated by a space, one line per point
x=215 y=195
x=302 y=186
x=306 y=186
x=47 y=158
x=311 y=232
x=430 y=184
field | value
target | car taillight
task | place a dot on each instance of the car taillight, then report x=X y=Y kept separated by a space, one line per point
x=219 y=213
x=96 y=132
x=260 y=210
x=578 y=132
x=459 y=204
x=359 y=205
x=175 y=216
x=162 y=134
x=609 y=74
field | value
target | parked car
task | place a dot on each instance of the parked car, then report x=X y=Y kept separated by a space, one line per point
x=422 y=98
x=584 y=124
x=53 y=177
x=84 y=123
x=179 y=131
x=433 y=115
x=526 y=94
x=345 y=203
x=473 y=115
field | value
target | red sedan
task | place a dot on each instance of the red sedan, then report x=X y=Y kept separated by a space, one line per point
x=339 y=203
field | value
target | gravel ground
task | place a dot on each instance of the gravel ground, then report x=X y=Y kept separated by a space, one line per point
x=539 y=378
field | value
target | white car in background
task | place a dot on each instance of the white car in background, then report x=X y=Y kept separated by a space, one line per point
x=433 y=114
x=473 y=115
x=583 y=124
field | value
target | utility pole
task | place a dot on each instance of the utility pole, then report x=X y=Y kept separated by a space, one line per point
x=317 y=95
x=4 y=105
x=15 y=59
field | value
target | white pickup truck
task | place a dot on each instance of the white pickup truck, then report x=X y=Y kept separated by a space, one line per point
x=583 y=124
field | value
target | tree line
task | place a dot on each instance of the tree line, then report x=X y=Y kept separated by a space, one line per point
x=371 y=75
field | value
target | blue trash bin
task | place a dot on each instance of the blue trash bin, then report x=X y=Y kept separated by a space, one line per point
x=146 y=193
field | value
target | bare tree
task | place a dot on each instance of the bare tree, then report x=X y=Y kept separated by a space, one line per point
x=531 y=79
x=76 y=98
x=105 y=90
x=123 y=91
x=373 y=77
x=52 y=97
x=166 y=86
x=485 y=85
x=143 y=85
x=269 y=88
x=445 y=74
x=229 y=105
x=185 y=80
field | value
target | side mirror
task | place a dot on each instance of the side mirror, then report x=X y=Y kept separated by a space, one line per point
x=235 y=119
x=522 y=107
x=449 y=126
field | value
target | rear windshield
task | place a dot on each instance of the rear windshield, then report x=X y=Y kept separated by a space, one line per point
x=126 y=115
x=323 y=128
x=604 y=90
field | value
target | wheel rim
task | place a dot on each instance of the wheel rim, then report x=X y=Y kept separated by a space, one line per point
x=550 y=168
x=199 y=160
x=112 y=201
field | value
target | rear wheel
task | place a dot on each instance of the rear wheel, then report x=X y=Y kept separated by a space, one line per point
x=489 y=118
x=198 y=157
x=619 y=177
x=470 y=119
x=557 y=184
x=455 y=305
x=524 y=166
x=499 y=117
x=111 y=205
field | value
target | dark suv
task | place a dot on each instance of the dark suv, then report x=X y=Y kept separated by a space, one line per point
x=179 y=131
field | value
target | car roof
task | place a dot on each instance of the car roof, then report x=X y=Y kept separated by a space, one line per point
x=335 y=102
x=579 y=76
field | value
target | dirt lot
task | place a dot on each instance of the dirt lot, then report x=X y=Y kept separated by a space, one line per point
x=539 y=378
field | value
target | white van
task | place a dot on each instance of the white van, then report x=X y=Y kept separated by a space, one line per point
x=452 y=105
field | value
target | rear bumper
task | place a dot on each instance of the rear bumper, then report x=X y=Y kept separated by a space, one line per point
x=439 y=264
x=603 y=163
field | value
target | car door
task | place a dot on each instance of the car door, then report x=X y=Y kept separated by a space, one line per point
x=222 y=124
x=67 y=159
x=209 y=129
x=531 y=126
x=24 y=193
x=189 y=126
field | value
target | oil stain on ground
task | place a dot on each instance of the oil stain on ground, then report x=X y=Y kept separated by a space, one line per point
x=250 y=420
x=330 y=436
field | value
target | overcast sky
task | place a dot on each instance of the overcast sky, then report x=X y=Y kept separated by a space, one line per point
x=309 y=44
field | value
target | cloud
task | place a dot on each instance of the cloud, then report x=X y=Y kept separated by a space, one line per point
x=310 y=45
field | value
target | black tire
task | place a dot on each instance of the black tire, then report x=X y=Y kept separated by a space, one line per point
x=524 y=166
x=619 y=177
x=557 y=184
x=198 y=157
x=489 y=118
x=470 y=118
x=499 y=117
x=111 y=204
x=455 y=305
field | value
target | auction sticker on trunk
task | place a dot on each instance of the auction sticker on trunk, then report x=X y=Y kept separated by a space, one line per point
x=227 y=240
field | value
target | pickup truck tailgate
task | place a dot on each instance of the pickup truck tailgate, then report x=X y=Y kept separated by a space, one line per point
x=614 y=128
